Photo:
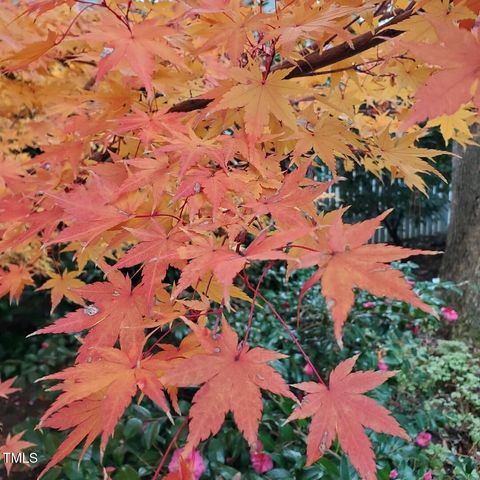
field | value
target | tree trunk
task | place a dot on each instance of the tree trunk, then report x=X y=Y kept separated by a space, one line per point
x=461 y=262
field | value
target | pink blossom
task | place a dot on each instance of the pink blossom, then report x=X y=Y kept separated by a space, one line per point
x=194 y=458
x=428 y=475
x=44 y=345
x=261 y=462
x=393 y=474
x=308 y=369
x=449 y=314
x=368 y=305
x=381 y=365
x=424 y=439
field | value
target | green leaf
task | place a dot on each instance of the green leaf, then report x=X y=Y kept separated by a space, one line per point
x=126 y=473
x=133 y=427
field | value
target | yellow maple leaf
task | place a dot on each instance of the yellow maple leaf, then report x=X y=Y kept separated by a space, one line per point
x=62 y=285
x=456 y=126
x=259 y=98
x=404 y=159
x=329 y=138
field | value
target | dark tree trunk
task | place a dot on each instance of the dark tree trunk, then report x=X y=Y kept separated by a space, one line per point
x=461 y=262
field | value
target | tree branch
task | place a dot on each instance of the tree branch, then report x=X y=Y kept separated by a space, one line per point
x=361 y=43
x=191 y=104
x=315 y=60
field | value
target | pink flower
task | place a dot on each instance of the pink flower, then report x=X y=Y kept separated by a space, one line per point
x=307 y=369
x=449 y=314
x=393 y=474
x=261 y=462
x=194 y=458
x=381 y=365
x=428 y=475
x=423 y=439
x=368 y=305
x=44 y=345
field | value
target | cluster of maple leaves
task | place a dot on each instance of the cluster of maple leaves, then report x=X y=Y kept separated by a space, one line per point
x=181 y=136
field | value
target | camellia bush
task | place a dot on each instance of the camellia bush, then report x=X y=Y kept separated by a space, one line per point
x=166 y=147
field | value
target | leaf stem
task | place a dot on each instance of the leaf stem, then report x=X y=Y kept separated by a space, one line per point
x=286 y=328
x=252 y=308
x=167 y=451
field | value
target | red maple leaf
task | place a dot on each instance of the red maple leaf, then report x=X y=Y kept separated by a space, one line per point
x=346 y=262
x=13 y=444
x=340 y=410
x=117 y=312
x=95 y=395
x=6 y=388
x=137 y=44
x=456 y=82
x=156 y=251
x=232 y=375
x=209 y=256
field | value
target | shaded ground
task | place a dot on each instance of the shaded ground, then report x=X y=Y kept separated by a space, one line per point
x=428 y=265
x=13 y=410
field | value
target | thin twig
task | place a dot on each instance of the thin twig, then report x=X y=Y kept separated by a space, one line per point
x=167 y=451
x=286 y=328
x=254 y=299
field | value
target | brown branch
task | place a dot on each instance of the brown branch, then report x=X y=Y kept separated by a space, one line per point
x=361 y=43
x=316 y=60
x=191 y=104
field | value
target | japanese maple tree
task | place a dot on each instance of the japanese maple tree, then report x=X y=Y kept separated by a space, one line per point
x=172 y=145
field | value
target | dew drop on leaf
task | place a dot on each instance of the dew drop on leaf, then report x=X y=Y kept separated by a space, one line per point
x=106 y=52
x=90 y=310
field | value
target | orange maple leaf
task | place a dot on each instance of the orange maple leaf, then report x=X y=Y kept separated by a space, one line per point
x=89 y=212
x=184 y=472
x=232 y=375
x=13 y=444
x=136 y=44
x=14 y=281
x=156 y=251
x=340 y=410
x=11 y=174
x=209 y=256
x=345 y=263
x=95 y=395
x=24 y=57
x=6 y=388
x=117 y=312
x=41 y=6
x=295 y=196
x=190 y=148
x=456 y=83
x=305 y=23
x=147 y=126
